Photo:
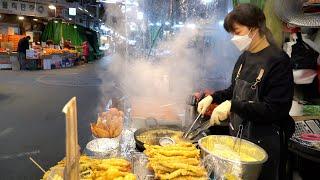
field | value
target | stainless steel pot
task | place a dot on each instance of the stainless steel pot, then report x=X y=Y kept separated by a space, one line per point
x=230 y=167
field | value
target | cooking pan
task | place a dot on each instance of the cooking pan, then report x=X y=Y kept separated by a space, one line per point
x=140 y=145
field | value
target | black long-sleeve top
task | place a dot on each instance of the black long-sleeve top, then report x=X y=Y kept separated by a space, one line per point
x=275 y=88
x=23 y=45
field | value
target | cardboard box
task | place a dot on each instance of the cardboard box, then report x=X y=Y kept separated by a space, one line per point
x=47 y=64
x=32 y=54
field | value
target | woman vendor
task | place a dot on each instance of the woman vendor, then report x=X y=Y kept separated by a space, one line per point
x=259 y=98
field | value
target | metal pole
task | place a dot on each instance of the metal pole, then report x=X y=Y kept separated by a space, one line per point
x=126 y=59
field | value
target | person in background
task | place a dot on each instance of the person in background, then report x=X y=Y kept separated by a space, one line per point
x=85 y=51
x=23 y=45
x=49 y=43
x=68 y=45
x=261 y=92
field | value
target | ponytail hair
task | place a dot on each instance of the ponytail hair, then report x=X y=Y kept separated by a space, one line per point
x=265 y=31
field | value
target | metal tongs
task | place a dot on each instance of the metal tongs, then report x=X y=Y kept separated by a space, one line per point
x=238 y=138
x=186 y=134
x=203 y=127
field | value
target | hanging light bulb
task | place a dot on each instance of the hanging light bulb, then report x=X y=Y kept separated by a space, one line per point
x=52 y=7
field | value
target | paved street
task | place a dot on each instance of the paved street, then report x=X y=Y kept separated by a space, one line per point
x=31 y=121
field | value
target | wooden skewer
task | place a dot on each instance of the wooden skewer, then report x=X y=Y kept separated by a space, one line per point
x=37 y=165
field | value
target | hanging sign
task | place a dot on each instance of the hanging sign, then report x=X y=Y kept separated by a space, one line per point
x=23 y=8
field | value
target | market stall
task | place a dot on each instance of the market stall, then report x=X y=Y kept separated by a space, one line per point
x=50 y=58
x=8 y=60
x=9 y=43
x=119 y=151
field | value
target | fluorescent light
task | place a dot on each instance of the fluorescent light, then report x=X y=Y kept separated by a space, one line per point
x=158 y=24
x=167 y=23
x=52 y=7
x=21 y=17
x=109 y=1
x=72 y=11
x=86 y=10
x=206 y=1
x=80 y=8
x=35 y=19
x=191 y=26
x=178 y=25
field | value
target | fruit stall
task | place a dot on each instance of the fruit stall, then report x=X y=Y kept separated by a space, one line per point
x=56 y=59
x=7 y=59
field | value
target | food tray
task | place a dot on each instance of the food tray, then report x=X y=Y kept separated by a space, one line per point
x=103 y=148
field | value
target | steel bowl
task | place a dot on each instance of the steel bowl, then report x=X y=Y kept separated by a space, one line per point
x=103 y=148
x=229 y=167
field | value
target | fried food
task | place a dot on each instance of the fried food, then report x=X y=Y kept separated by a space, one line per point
x=172 y=151
x=109 y=124
x=190 y=161
x=175 y=161
x=177 y=173
x=100 y=169
x=189 y=178
x=152 y=137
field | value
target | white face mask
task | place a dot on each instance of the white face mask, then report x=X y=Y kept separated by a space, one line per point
x=242 y=42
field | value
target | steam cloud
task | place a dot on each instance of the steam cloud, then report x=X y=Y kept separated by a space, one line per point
x=171 y=79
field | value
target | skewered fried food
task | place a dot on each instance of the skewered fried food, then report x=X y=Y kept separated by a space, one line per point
x=170 y=153
x=100 y=169
x=190 y=161
x=175 y=161
x=189 y=178
x=194 y=170
x=177 y=173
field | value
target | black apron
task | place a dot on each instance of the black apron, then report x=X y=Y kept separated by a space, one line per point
x=266 y=136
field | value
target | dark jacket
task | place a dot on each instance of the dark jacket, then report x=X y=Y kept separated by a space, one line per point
x=275 y=89
x=23 y=45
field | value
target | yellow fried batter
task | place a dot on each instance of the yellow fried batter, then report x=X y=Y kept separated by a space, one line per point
x=190 y=161
x=177 y=173
x=179 y=161
x=189 y=178
x=170 y=153
x=98 y=169
x=195 y=170
x=152 y=136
